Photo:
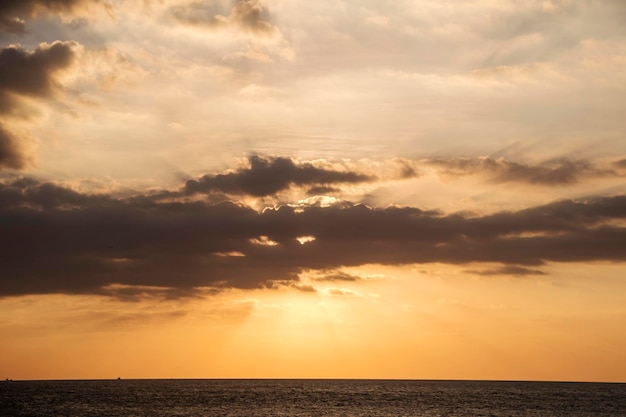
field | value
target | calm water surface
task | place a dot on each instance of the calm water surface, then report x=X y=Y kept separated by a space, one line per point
x=157 y=398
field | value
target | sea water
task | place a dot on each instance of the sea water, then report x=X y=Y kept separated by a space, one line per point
x=154 y=398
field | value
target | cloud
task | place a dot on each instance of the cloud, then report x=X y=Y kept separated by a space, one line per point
x=305 y=288
x=341 y=292
x=136 y=293
x=332 y=276
x=12 y=24
x=203 y=13
x=56 y=240
x=250 y=15
x=322 y=189
x=246 y=15
x=12 y=154
x=31 y=73
x=12 y=11
x=514 y=270
x=29 y=6
x=268 y=176
x=27 y=74
x=553 y=172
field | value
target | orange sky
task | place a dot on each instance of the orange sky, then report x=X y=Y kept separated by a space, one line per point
x=330 y=189
x=432 y=322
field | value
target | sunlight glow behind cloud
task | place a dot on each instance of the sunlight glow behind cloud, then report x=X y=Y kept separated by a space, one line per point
x=283 y=188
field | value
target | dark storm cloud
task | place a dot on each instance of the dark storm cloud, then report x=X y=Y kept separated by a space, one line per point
x=29 y=74
x=268 y=176
x=554 y=172
x=53 y=240
x=246 y=15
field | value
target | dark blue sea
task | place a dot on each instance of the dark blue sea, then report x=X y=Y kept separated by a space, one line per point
x=154 y=398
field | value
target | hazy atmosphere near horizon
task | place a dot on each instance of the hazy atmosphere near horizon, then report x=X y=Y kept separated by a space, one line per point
x=420 y=189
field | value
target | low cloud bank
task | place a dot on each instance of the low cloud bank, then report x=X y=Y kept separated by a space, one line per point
x=56 y=240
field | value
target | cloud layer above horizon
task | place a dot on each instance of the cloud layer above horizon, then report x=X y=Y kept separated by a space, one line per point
x=171 y=242
x=390 y=133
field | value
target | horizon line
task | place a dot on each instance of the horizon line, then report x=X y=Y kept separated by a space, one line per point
x=314 y=379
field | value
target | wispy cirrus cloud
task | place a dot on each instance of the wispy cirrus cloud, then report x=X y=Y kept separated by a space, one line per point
x=561 y=171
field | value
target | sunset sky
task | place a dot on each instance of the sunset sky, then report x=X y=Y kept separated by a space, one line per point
x=422 y=189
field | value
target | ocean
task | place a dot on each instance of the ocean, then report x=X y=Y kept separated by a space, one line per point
x=186 y=398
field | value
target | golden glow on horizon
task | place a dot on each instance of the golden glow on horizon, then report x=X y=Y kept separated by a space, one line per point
x=252 y=147
x=430 y=321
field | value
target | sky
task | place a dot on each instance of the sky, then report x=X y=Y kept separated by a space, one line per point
x=411 y=189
